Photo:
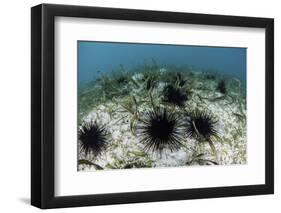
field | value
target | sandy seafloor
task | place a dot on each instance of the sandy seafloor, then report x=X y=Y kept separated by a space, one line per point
x=126 y=151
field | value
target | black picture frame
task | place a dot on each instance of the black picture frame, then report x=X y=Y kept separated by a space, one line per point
x=43 y=102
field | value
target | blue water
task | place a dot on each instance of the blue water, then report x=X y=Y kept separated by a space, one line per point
x=95 y=58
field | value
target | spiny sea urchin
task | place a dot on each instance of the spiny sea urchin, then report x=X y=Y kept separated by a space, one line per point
x=210 y=77
x=221 y=87
x=161 y=129
x=93 y=138
x=174 y=95
x=201 y=124
x=179 y=80
x=122 y=80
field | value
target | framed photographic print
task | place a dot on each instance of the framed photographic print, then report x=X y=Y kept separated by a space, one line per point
x=139 y=106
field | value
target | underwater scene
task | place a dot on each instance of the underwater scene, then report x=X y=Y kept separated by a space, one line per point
x=160 y=105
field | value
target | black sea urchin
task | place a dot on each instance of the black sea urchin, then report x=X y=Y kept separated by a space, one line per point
x=201 y=124
x=221 y=87
x=210 y=77
x=93 y=138
x=174 y=95
x=178 y=80
x=161 y=129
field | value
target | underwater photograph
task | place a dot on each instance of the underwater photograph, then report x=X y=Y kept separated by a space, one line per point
x=160 y=105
